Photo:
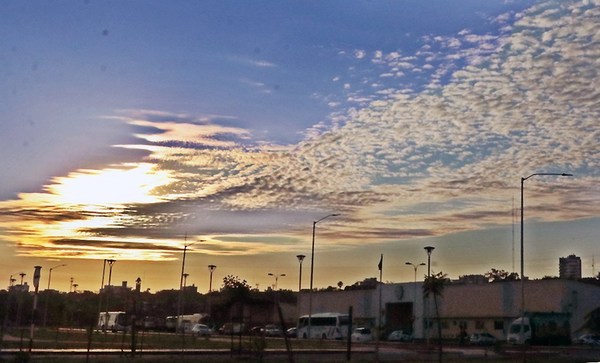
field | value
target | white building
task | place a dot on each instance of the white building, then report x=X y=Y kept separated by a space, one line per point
x=488 y=307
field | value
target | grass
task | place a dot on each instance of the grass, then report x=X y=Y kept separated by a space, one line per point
x=79 y=339
x=250 y=349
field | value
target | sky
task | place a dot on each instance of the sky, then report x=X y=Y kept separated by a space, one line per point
x=132 y=129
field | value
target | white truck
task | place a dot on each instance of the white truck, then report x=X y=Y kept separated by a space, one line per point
x=113 y=321
x=541 y=329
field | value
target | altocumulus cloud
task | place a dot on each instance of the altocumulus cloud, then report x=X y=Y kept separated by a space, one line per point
x=409 y=163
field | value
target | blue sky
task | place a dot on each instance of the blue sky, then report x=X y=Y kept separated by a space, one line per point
x=129 y=125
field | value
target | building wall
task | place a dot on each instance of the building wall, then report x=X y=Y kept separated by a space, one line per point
x=365 y=303
x=488 y=307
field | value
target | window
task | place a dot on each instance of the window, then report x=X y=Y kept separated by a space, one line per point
x=498 y=325
x=479 y=324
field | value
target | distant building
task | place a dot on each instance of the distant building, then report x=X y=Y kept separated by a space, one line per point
x=193 y=289
x=569 y=267
x=20 y=288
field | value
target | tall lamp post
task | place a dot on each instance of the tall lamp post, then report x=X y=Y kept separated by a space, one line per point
x=415 y=267
x=522 y=248
x=312 y=265
x=36 y=285
x=300 y=259
x=136 y=308
x=211 y=269
x=110 y=262
x=429 y=250
x=179 y=297
x=48 y=292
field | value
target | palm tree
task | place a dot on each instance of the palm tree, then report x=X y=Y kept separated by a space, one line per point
x=434 y=285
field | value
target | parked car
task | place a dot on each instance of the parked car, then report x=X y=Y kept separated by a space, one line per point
x=361 y=335
x=201 y=330
x=589 y=339
x=399 y=336
x=229 y=328
x=482 y=339
x=292 y=332
x=272 y=330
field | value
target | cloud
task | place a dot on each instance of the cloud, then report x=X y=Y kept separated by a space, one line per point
x=490 y=109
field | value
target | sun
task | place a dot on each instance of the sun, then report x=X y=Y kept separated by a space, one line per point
x=130 y=183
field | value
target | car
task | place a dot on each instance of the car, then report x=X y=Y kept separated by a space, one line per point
x=361 y=335
x=272 y=330
x=482 y=339
x=201 y=330
x=589 y=339
x=292 y=332
x=232 y=329
x=399 y=336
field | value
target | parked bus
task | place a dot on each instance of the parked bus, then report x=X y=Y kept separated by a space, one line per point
x=323 y=326
x=113 y=320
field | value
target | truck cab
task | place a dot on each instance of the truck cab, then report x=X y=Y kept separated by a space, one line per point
x=514 y=332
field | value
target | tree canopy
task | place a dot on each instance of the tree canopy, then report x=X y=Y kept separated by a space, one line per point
x=495 y=275
x=234 y=283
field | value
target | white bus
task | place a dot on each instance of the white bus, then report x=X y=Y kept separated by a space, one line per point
x=324 y=326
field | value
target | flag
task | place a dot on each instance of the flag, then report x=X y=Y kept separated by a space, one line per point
x=380 y=265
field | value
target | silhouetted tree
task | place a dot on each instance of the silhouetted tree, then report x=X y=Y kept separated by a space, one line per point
x=495 y=275
x=235 y=288
x=231 y=282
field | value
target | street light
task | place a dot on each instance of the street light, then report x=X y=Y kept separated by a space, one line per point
x=522 y=249
x=300 y=259
x=179 y=298
x=415 y=267
x=36 y=285
x=50 y=273
x=312 y=265
x=276 y=278
x=136 y=312
x=48 y=293
x=211 y=269
x=429 y=250
x=110 y=262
